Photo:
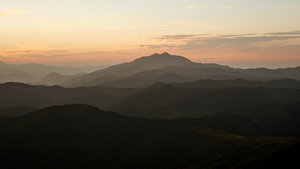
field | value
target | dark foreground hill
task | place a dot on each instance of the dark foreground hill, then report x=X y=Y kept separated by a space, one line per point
x=284 y=158
x=16 y=111
x=81 y=136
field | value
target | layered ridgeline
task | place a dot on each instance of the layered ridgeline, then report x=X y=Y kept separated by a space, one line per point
x=168 y=68
x=160 y=100
x=141 y=72
x=34 y=73
x=81 y=136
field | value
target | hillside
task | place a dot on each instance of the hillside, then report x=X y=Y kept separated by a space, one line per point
x=14 y=94
x=172 y=102
x=55 y=78
x=281 y=118
x=38 y=71
x=16 y=111
x=17 y=77
x=81 y=136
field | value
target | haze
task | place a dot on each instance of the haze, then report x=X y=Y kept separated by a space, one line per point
x=239 y=33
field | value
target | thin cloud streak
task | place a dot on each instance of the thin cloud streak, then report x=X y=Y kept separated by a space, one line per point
x=285 y=33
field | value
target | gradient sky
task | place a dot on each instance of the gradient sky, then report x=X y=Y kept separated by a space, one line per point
x=238 y=33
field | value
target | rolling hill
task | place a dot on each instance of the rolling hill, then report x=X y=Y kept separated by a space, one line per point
x=16 y=111
x=14 y=94
x=81 y=136
x=172 y=102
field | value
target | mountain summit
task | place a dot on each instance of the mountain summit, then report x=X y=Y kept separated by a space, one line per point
x=155 y=61
x=162 y=60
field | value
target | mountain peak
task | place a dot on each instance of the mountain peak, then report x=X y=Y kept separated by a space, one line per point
x=163 y=59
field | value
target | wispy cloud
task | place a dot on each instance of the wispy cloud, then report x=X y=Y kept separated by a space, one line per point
x=12 y=11
x=173 y=38
x=252 y=45
x=285 y=33
x=225 y=41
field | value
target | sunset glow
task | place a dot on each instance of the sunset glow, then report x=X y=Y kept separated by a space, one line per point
x=238 y=33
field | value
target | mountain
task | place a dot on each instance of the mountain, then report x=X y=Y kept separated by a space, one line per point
x=172 y=102
x=55 y=78
x=191 y=99
x=14 y=94
x=155 y=61
x=16 y=111
x=2 y=63
x=208 y=83
x=282 y=158
x=38 y=71
x=17 y=77
x=281 y=118
x=128 y=74
x=82 y=136
x=147 y=78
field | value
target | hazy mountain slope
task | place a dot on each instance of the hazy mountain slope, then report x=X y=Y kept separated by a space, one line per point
x=16 y=111
x=201 y=102
x=81 y=136
x=147 y=78
x=180 y=66
x=293 y=73
x=205 y=72
x=284 y=83
x=14 y=94
x=17 y=77
x=55 y=78
x=169 y=74
x=39 y=70
x=154 y=61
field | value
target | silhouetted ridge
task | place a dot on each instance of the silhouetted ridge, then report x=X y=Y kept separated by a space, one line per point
x=283 y=158
x=16 y=111
x=72 y=110
x=166 y=58
x=82 y=136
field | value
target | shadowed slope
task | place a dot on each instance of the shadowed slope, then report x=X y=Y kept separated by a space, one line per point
x=14 y=94
x=81 y=136
x=182 y=102
x=16 y=111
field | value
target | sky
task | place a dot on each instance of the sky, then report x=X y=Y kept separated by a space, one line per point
x=238 y=33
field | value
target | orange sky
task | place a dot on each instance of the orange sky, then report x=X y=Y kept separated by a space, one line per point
x=78 y=33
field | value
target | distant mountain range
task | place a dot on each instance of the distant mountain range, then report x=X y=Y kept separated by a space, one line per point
x=161 y=100
x=158 y=111
x=139 y=73
x=168 y=68
x=33 y=72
